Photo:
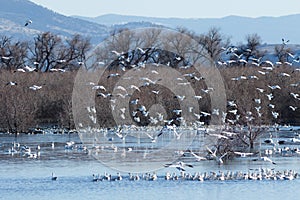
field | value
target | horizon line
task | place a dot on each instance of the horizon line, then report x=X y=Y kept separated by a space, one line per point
x=174 y=17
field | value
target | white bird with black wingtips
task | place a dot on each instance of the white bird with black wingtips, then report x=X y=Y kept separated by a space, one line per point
x=179 y=165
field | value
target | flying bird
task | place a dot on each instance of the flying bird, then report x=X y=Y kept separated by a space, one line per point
x=233 y=111
x=284 y=74
x=134 y=101
x=260 y=90
x=214 y=154
x=293 y=108
x=177 y=111
x=231 y=103
x=205 y=114
x=198 y=158
x=207 y=90
x=97 y=87
x=153 y=139
x=273 y=87
x=179 y=165
x=271 y=105
x=135 y=87
x=215 y=112
x=243 y=154
x=35 y=87
x=121 y=88
x=261 y=72
x=29 y=69
x=296 y=96
x=12 y=83
x=113 y=75
x=275 y=114
x=265 y=159
x=284 y=42
x=155 y=91
x=258 y=101
x=198 y=97
x=181 y=98
x=270 y=96
x=28 y=22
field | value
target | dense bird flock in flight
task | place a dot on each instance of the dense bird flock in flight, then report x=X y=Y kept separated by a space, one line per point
x=139 y=113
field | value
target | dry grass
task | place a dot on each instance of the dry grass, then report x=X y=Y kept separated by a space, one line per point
x=22 y=108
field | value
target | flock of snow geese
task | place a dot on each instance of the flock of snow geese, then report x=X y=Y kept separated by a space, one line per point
x=251 y=174
x=252 y=61
x=256 y=174
x=265 y=67
x=267 y=91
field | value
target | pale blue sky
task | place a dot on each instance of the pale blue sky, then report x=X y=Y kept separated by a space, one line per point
x=174 y=8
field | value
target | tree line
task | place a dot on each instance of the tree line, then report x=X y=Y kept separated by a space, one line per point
x=24 y=106
x=47 y=51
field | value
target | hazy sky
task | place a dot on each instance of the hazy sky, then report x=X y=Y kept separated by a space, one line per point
x=173 y=8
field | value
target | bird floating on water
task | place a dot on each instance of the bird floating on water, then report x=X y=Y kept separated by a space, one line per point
x=53 y=178
x=179 y=165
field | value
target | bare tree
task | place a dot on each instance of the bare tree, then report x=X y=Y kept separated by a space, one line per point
x=73 y=53
x=44 y=50
x=214 y=43
x=13 y=54
x=251 y=47
x=282 y=52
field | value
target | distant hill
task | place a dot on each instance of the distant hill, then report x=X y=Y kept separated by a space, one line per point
x=271 y=29
x=14 y=13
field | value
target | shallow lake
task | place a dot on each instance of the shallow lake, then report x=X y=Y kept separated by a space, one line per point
x=22 y=177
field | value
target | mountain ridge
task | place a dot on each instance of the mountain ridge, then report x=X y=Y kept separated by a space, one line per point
x=271 y=29
x=14 y=13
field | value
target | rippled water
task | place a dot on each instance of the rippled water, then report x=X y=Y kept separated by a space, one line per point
x=27 y=178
